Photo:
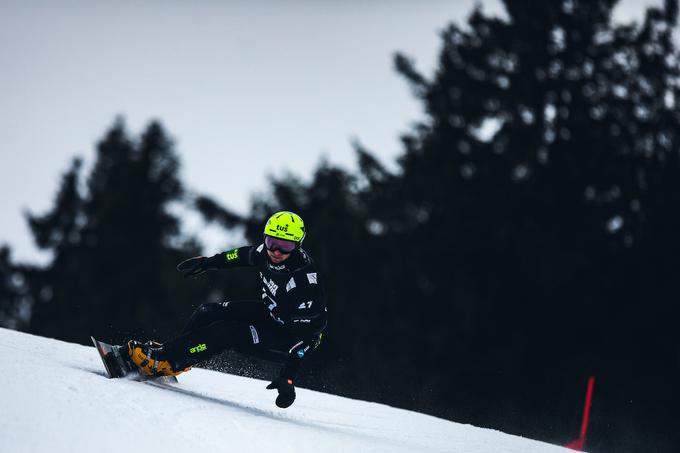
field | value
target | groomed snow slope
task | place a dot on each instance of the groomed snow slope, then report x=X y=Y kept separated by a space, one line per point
x=56 y=398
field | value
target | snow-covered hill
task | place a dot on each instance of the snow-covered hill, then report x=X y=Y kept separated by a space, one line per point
x=56 y=398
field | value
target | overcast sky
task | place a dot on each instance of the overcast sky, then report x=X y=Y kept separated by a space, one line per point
x=245 y=88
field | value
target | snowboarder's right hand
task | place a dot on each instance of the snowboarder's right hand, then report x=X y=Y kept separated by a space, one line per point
x=193 y=266
x=286 y=391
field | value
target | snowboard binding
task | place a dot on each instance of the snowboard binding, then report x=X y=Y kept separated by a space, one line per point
x=118 y=362
x=149 y=360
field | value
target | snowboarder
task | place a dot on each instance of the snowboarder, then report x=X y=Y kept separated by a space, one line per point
x=285 y=325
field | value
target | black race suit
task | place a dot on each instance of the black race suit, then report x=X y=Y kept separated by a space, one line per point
x=285 y=325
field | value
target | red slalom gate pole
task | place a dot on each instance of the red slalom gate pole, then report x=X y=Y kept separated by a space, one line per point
x=577 y=444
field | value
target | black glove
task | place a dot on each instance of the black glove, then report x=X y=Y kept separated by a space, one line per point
x=286 y=391
x=193 y=266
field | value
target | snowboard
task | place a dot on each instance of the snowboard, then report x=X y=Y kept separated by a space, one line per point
x=117 y=364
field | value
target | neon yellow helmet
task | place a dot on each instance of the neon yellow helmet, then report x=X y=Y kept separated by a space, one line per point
x=285 y=225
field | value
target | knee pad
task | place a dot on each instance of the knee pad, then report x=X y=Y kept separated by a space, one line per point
x=204 y=315
x=207 y=311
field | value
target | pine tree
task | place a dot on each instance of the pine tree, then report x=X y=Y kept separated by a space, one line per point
x=528 y=187
x=59 y=290
x=14 y=299
x=115 y=247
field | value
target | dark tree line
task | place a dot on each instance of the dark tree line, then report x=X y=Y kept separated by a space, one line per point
x=528 y=240
x=114 y=242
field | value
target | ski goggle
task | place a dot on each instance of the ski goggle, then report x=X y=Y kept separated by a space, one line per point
x=281 y=245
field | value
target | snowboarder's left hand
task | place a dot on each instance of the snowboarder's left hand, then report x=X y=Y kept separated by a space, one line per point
x=193 y=267
x=286 y=391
